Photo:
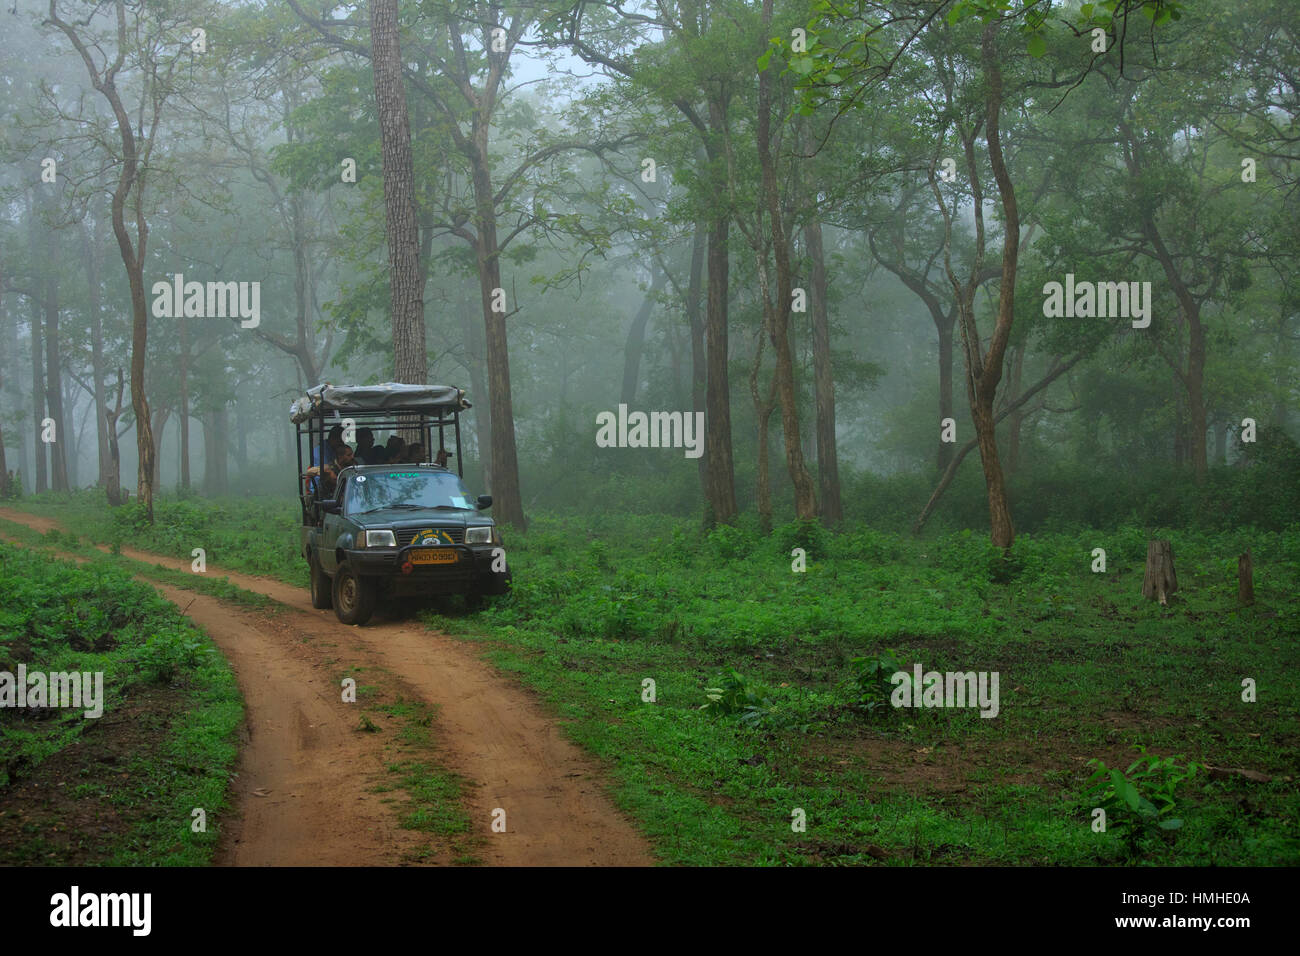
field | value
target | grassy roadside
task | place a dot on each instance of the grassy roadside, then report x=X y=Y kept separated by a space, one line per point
x=433 y=803
x=119 y=789
x=1088 y=670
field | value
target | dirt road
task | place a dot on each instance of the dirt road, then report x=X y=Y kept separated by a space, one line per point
x=305 y=788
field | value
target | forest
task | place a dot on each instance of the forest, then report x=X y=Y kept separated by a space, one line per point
x=888 y=407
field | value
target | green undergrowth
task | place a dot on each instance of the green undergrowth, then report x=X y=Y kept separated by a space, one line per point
x=1088 y=670
x=121 y=788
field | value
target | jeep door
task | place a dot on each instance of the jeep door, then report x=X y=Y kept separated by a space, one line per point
x=333 y=528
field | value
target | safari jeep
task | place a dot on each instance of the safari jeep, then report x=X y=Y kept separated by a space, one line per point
x=399 y=530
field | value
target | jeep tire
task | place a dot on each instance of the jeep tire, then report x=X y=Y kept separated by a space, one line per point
x=354 y=596
x=322 y=588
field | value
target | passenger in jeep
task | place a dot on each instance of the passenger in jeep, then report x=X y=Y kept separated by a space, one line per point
x=367 y=452
x=321 y=488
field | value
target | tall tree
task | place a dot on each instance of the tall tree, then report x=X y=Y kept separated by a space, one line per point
x=406 y=282
x=138 y=39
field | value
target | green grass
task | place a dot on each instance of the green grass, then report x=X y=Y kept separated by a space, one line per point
x=436 y=795
x=1087 y=669
x=120 y=789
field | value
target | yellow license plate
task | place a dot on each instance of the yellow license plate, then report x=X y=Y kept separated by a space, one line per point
x=434 y=556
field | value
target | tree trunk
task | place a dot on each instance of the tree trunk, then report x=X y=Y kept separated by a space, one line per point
x=157 y=428
x=985 y=378
x=1016 y=420
x=54 y=385
x=133 y=256
x=763 y=408
x=4 y=339
x=636 y=336
x=92 y=244
x=9 y=355
x=1180 y=422
x=72 y=450
x=146 y=451
x=241 y=438
x=507 y=498
x=1001 y=528
x=482 y=401
x=1246 y=578
x=828 y=467
x=950 y=472
x=53 y=367
x=1160 y=580
x=805 y=497
x=1197 y=419
x=944 y=458
x=717 y=445
x=410 y=358
x=38 y=398
x=184 y=413
x=113 y=480
x=216 y=453
x=699 y=365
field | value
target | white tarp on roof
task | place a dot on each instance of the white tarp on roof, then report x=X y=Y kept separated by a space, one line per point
x=389 y=396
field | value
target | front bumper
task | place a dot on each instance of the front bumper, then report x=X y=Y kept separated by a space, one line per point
x=472 y=570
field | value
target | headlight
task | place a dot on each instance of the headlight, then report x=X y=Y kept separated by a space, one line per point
x=480 y=535
x=380 y=539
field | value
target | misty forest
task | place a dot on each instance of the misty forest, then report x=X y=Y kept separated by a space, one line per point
x=888 y=408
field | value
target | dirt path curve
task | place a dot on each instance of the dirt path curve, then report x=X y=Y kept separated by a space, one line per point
x=303 y=752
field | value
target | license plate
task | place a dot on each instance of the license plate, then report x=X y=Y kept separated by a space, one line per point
x=434 y=556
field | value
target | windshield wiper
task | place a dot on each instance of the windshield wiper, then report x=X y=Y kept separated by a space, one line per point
x=391 y=507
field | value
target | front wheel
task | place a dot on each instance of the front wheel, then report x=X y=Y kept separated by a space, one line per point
x=322 y=597
x=354 y=596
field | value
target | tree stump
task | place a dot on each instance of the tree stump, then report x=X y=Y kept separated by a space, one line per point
x=1245 y=578
x=1160 y=580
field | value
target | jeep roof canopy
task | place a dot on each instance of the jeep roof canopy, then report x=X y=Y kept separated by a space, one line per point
x=388 y=397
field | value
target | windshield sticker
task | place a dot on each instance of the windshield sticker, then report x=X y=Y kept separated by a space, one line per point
x=403 y=474
x=460 y=501
x=361 y=477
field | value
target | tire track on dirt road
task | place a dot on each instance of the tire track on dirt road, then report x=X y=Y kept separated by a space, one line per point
x=489 y=730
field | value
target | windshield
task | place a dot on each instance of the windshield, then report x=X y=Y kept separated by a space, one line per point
x=406 y=490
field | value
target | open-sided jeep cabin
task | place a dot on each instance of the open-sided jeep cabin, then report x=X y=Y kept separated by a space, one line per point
x=398 y=529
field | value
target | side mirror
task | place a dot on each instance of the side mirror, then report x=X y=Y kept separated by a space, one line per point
x=484 y=502
x=329 y=507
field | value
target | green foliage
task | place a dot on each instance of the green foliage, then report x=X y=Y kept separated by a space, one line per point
x=732 y=542
x=735 y=696
x=169 y=652
x=809 y=535
x=1141 y=798
x=871 y=681
x=792 y=657
x=58 y=616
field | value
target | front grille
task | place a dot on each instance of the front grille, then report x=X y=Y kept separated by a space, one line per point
x=406 y=536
